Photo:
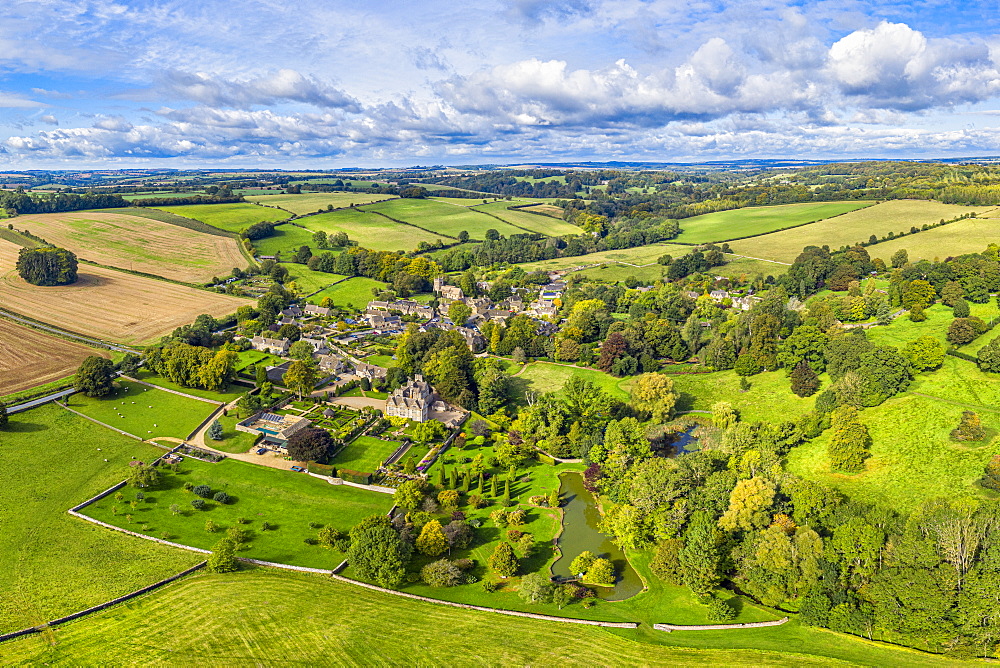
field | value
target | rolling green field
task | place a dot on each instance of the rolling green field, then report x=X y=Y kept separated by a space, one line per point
x=252 y=628
x=725 y=225
x=52 y=564
x=231 y=217
x=939 y=316
x=971 y=235
x=288 y=501
x=893 y=216
x=913 y=458
x=442 y=218
x=543 y=377
x=737 y=267
x=355 y=292
x=371 y=230
x=310 y=202
x=148 y=413
x=548 y=225
x=307 y=280
x=769 y=397
x=286 y=239
x=641 y=255
x=365 y=454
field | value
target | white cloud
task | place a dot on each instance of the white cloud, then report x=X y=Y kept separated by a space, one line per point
x=284 y=85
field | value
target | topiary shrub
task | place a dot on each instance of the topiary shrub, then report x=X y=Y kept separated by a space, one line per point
x=204 y=491
x=221 y=497
x=198 y=504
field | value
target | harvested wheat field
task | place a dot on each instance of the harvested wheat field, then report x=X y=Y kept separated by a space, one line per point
x=29 y=358
x=138 y=244
x=109 y=304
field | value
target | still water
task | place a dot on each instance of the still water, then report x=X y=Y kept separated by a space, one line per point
x=580 y=521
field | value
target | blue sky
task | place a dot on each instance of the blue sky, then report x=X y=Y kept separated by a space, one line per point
x=327 y=84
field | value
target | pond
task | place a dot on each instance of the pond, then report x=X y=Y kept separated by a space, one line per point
x=580 y=520
x=685 y=441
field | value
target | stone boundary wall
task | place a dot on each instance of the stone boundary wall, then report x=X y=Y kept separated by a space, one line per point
x=101 y=606
x=214 y=414
x=501 y=611
x=716 y=627
x=137 y=535
x=103 y=424
x=178 y=393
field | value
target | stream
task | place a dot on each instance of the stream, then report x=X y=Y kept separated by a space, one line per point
x=580 y=520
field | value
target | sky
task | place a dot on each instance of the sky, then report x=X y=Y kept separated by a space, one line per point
x=326 y=84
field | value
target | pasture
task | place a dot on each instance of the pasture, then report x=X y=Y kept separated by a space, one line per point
x=737 y=267
x=552 y=226
x=144 y=411
x=370 y=230
x=639 y=256
x=233 y=217
x=109 y=304
x=29 y=357
x=286 y=239
x=286 y=500
x=307 y=280
x=442 y=218
x=311 y=202
x=52 y=564
x=850 y=228
x=913 y=459
x=355 y=292
x=769 y=397
x=252 y=629
x=138 y=244
x=971 y=235
x=737 y=223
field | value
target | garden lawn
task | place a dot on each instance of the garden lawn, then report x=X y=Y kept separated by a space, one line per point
x=364 y=454
x=309 y=202
x=252 y=628
x=442 y=218
x=232 y=441
x=769 y=398
x=52 y=564
x=287 y=239
x=288 y=501
x=913 y=459
x=355 y=292
x=380 y=360
x=144 y=407
x=248 y=357
x=895 y=216
x=234 y=217
x=371 y=230
x=749 y=221
x=543 y=377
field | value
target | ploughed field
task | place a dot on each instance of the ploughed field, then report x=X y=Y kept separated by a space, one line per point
x=29 y=357
x=138 y=244
x=109 y=304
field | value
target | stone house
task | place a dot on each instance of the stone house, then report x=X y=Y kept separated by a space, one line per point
x=412 y=401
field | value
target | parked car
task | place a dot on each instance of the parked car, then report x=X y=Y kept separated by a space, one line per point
x=298 y=469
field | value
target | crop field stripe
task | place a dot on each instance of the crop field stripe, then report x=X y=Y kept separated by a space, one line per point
x=403 y=222
x=29 y=358
x=109 y=304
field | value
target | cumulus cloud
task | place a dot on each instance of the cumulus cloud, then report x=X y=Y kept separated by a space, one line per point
x=895 y=66
x=285 y=85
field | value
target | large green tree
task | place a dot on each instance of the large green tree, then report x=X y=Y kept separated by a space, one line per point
x=47 y=266
x=95 y=377
x=376 y=551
